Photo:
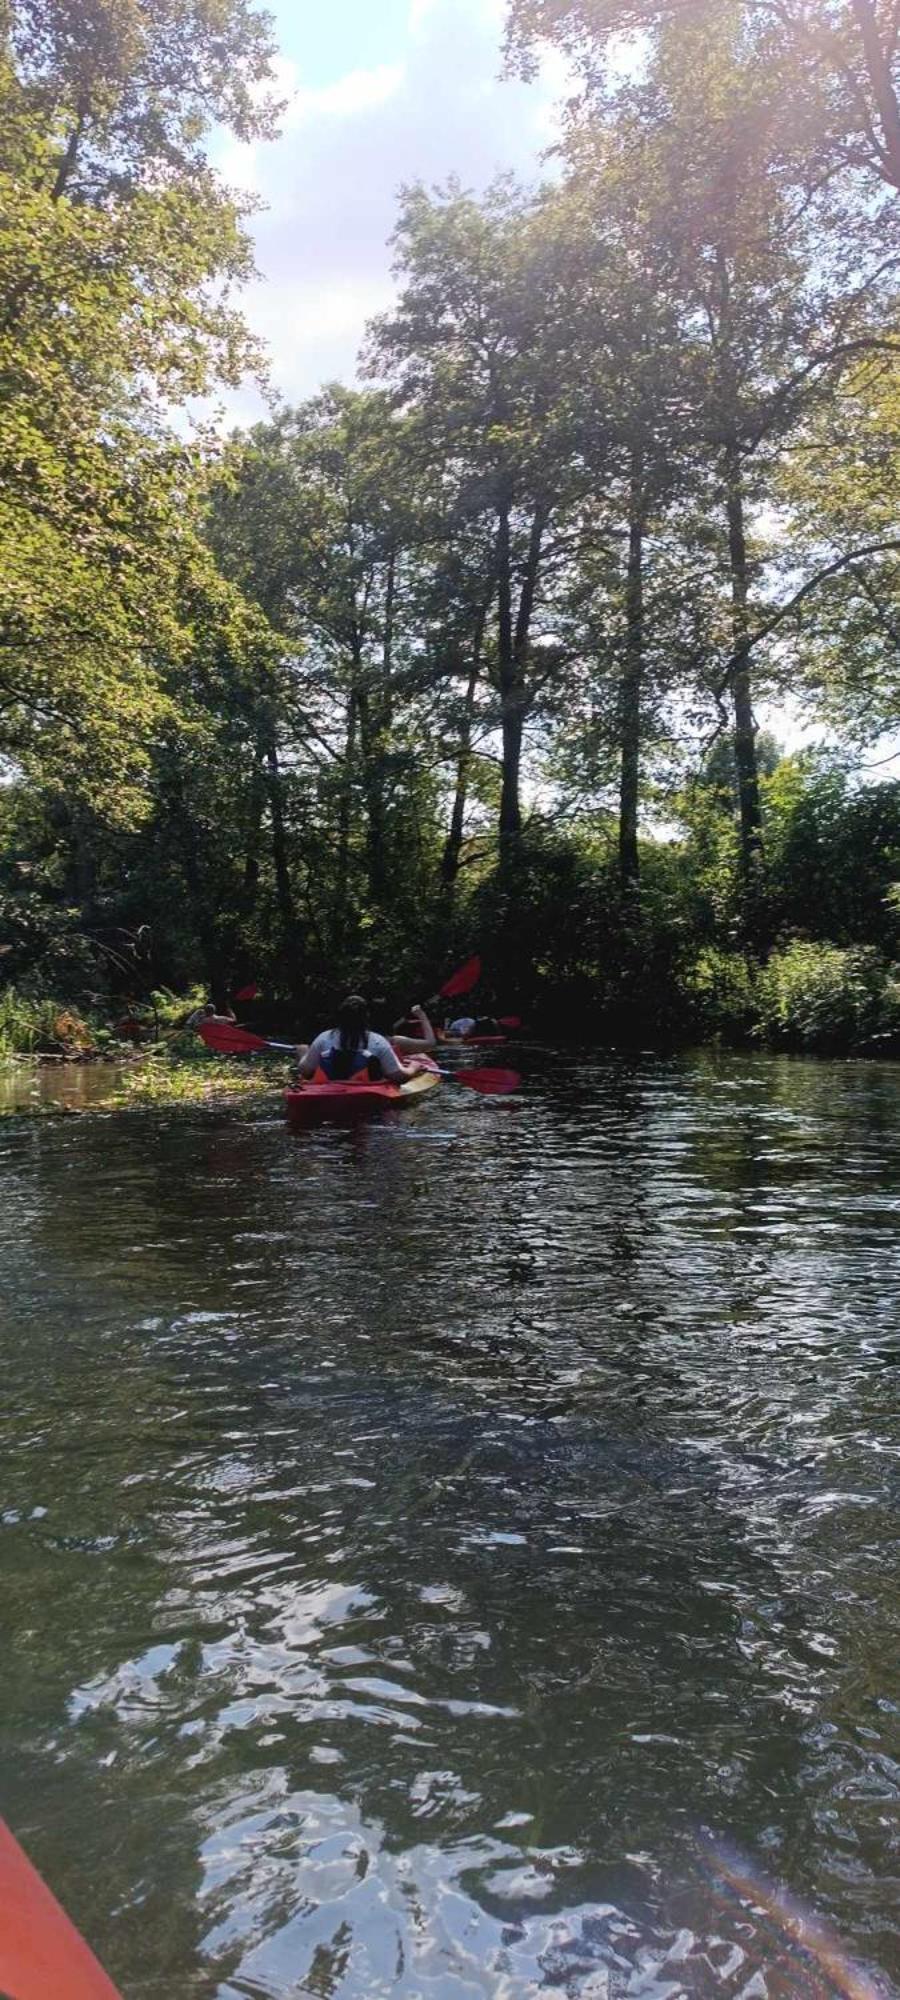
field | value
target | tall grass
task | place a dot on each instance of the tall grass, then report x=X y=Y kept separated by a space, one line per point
x=41 y=1027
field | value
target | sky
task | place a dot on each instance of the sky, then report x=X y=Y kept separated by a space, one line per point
x=379 y=92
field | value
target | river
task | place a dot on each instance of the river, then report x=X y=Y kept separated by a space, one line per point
x=440 y=1558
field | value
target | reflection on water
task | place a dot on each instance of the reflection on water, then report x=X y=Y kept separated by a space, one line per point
x=419 y=1544
x=64 y=1086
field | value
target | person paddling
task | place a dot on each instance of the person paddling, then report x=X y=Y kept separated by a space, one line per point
x=473 y=1027
x=414 y=1034
x=351 y=1049
x=210 y=1012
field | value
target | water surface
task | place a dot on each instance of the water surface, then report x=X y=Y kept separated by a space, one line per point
x=422 y=1545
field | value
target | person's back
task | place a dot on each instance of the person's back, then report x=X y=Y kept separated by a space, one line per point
x=352 y=1050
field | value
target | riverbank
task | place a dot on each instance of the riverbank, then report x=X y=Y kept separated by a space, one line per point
x=157 y=1079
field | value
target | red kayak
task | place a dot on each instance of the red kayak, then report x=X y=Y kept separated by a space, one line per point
x=308 y=1103
x=42 y=1956
x=474 y=1041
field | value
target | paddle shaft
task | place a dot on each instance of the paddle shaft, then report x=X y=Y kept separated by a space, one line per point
x=226 y=1038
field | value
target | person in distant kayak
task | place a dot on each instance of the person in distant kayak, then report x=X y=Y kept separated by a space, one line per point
x=470 y=1025
x=209 y=1012
x=352 y=1050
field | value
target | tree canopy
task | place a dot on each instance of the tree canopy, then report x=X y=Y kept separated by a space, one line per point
x=476 y=650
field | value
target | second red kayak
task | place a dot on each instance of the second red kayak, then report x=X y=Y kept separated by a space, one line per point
x=306 y=1103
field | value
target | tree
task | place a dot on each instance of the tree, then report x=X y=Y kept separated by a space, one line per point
x=318 y=518
x=768 y=328
x=118 y=249
x=473 y=353
x=848 y=50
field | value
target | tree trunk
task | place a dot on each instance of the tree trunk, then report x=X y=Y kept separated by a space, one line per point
x=69 y=158
x=345 y=816
x=632 y=686
x=453 y=844
x=883 y=91
x=739 y=673
x=513 y=641
x=375 y=709
x=204 y=919
x=283 y=889
x=254 y=828
x=511 y=711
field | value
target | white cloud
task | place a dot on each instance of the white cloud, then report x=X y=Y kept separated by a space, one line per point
x=360 y=90
x=490 y=13
x=239 y=166
x=329 y=185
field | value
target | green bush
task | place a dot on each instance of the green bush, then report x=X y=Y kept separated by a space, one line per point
x=30 y=1026
x=818 y=996
x=720 y=992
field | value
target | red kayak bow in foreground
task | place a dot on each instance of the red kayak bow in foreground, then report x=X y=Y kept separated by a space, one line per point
x=42 y=1956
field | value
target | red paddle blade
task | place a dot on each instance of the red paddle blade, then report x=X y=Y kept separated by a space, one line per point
x=510 y=1021
x=229 y=1040
x=463 y=980
x=41 y=1953
x=489 y=1082
x=248 y=993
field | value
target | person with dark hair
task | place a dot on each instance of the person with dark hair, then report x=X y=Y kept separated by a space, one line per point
x=351 y=1049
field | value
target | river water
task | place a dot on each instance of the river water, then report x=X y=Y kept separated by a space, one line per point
x=458 y=1557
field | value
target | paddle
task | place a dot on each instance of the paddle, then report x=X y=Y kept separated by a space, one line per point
x=487 y=1082
x=462 y=981
x=226 y=1039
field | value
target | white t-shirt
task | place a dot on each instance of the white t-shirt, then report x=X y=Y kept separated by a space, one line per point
x=374 y=1045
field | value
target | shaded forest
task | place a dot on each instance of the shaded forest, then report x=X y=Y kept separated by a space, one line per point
x=471 y=655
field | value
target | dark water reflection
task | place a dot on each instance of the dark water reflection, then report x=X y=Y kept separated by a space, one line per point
x=413 y=1541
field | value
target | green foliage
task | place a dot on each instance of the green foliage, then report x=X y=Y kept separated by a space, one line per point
x=380 y=681
x=33 y=1025
x=116 y=257
x=818 y=996
x=834 y=854
x=720 y=991
x=186 y=1080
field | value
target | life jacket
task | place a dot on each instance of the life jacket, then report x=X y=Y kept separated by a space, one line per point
x=349 y=1066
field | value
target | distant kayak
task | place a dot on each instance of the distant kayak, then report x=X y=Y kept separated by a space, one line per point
x=473 y=1041
x=42 y=1956
x=306 y=1103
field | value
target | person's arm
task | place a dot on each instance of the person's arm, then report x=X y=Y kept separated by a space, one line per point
x=417 y=1045
x=393 y=1070
x=309 y=1058
x=429 y=1036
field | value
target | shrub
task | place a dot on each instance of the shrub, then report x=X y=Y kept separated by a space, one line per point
x=720 y=992
x=31 y=1026
x=820 y=996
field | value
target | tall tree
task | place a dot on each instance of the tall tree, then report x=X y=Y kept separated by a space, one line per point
x=318 y=518
x=473 y=352
x=118 y=249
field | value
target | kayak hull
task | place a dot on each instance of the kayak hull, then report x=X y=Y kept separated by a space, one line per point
x=42 y=1956
x=313 y=1103
x=474 y=1041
